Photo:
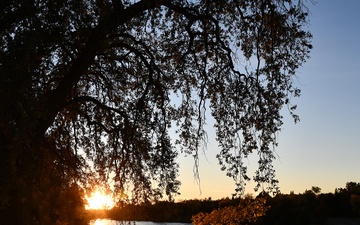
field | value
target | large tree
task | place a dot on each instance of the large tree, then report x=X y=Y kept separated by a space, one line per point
x=87 y=91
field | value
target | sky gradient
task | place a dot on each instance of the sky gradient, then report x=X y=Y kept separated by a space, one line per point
x=323 y=149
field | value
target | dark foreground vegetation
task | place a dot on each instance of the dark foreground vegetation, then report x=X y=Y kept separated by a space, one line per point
x=310 y=207
x=91 y=92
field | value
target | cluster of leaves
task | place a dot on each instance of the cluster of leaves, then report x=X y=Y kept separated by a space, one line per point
x=86 y=86
x=247 y=212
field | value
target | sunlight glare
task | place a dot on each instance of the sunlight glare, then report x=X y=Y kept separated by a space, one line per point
x=99 y=200
x=97 y=222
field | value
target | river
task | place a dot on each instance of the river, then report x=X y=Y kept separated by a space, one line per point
x=114 y=222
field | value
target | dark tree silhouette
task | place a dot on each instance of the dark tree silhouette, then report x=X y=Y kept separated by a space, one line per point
x=86 y=88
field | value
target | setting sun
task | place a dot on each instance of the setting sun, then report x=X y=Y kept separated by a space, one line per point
x=99 y=200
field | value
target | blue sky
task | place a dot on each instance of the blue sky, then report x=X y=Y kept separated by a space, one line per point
x=323 y=149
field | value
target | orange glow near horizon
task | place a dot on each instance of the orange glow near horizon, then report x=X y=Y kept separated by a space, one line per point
x=99 y=200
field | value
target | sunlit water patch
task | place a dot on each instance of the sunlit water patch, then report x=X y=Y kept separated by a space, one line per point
x=114 y=222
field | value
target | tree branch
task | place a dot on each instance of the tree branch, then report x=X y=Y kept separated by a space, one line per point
x=53 y=101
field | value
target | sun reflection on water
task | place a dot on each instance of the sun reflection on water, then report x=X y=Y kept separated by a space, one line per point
x=109 y=222
x=100 y=222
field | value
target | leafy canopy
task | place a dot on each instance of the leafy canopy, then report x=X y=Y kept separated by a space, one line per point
x=87 y=87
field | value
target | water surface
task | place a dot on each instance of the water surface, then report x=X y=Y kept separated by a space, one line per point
x=114 y=222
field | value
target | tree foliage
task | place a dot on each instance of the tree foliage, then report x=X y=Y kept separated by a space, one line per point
x=87 y=89
x=247 y=212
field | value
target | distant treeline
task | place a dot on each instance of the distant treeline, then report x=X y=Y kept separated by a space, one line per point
x=310 y=207
x=164 y=211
